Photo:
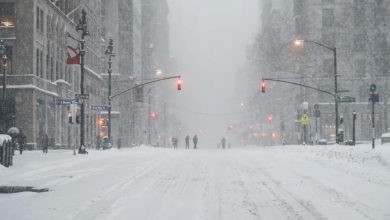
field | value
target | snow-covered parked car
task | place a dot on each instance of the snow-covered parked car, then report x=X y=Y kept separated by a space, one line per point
x=385 y=138
x=322 y=142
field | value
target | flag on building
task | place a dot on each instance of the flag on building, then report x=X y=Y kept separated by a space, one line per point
x=73 y=49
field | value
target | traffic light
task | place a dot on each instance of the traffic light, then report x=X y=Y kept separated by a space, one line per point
x=78 y=119
x=101 y=122
x=70 y=118
x=269 y=118
x=263 y=86
x=153 y=115
x=179 y=84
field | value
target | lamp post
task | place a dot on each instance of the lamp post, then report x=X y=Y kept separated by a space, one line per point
x=300 y=43
x=83 y=29
x=354 y=127
x=3 y=59
x=110 y=54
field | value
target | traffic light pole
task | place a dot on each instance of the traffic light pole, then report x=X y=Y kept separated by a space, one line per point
x=146 y=83
x=110 y=54
x=354 y=128
x=299 y=84
x=82 y=26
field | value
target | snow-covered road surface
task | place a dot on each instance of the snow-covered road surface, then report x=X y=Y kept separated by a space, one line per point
x=290 y=182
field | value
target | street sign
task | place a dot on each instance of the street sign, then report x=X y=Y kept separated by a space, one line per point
x=317 y=113
x=61 y=101
x=99 y=108
x=82 y=96
x=347 y=99
x=374 y=97
x=305 y=119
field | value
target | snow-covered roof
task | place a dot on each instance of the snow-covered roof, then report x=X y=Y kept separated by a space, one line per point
x=4 y=137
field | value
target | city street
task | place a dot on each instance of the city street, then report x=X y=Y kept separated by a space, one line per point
x=283 y=182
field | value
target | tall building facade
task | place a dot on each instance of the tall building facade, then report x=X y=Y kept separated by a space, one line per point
x=155 y=56
x=123 y=25
x=37 y=73
x=358 y=29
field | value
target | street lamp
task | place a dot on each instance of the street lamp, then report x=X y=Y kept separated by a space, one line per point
x=82 y=28
x=300 y=42
x=3 y=56
x=110 y=54
x=158 y=72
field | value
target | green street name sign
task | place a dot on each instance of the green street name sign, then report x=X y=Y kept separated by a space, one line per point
x=347 y=99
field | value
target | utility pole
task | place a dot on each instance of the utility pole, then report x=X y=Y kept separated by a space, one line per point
x=336 y=102
x=149 y=120
x=3 y=54
x=354 y=127
x=110 y=54
x=83 y=29
x=374 y=97
x=165 y=125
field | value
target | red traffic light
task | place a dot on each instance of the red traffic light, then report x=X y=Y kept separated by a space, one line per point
x=153 y=115
x=179 y=84
x=263 y=86
x=269 y=118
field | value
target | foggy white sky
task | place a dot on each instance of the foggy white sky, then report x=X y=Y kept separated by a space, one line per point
x=209 y=39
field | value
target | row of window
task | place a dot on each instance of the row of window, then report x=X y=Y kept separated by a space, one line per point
x=359 y=14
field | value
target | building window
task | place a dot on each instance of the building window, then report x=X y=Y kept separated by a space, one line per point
x=41 y=20
x=57 y=71
x=328 y=66
x=41 y=63
x=359 y=42
x=299 y=7
x=7 y=14
x=359 y=13
x=51 y=69
x=327 y=17
x=38 y=23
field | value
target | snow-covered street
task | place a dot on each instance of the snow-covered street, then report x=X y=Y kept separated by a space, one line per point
x=289 y=182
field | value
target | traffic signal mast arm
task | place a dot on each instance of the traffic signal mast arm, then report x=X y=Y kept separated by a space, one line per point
x=298 y=84
x=146 y=83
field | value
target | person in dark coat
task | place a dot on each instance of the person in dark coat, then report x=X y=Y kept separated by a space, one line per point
x=223 y=143
x=45 y=142
x=119 y=143
x=22 y=141
x=187 y=142
x=175 y=142
x=195 y=140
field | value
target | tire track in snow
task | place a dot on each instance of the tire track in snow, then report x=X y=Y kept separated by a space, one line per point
x=288 y=200
x=95 y=206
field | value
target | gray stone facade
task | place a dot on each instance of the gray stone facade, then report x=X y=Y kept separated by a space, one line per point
x=40 y=74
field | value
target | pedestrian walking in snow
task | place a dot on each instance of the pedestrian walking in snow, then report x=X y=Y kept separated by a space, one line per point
x=22 y=141
x=175 y=142
x=119 y=143
x=187 y=142
x=223 y=143
x=195 y=140
x=45 y=143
